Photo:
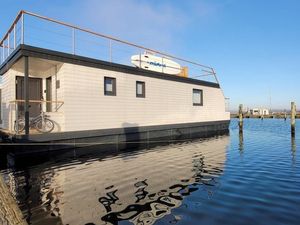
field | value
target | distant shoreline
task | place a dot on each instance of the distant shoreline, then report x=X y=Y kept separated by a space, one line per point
x=273 y=116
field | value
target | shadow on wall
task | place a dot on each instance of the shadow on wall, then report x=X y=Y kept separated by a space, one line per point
x=131 y=139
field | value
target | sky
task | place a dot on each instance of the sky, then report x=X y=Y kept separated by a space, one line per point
x=253 y=45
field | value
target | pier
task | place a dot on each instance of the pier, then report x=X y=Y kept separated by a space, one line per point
x=274 y=115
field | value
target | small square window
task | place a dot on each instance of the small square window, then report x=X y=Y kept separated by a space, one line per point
x=110 y=86
x=140 y=89
x=197 y=97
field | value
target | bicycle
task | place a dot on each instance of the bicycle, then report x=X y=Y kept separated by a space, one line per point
x=41 y=123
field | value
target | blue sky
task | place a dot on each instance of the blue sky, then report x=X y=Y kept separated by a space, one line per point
x=252 y=44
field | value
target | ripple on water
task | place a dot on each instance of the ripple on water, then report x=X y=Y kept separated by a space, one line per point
x=248 y=178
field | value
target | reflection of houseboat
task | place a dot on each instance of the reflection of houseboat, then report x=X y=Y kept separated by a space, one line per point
x=142 y=188
x=89 y=98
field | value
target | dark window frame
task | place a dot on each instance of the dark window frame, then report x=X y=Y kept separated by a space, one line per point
x=114 y=87
x=201 y=99
x=49 y=94
x=143 y=95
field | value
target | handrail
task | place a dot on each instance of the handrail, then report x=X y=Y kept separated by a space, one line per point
x=12 y=26
x=94 y=33
x=21 y=16
x=36 y=101
x=57 y=107
x=113 y=38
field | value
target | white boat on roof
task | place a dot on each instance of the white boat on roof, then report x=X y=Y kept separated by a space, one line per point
x=156 y=63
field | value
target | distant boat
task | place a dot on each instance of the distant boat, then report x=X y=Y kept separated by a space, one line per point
x=156 y=63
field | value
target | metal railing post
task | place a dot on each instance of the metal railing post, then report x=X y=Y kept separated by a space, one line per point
x=22 y=28
x=110 y=53
x=73 y=41
x=3 y=56
x=213 y=71
x=8 y=45
x=14 y=36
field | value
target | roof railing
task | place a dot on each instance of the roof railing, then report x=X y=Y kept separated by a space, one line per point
x=20 y=33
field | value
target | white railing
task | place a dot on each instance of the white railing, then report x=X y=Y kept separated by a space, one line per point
x=40 y=31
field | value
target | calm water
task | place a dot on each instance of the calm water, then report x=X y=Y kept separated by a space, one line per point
x=248 y=178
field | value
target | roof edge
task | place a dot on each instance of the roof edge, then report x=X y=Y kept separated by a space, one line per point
x=31 y=51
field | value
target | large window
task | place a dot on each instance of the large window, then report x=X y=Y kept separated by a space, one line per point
x=110 y=86
x=197 y=97
x=140 y=89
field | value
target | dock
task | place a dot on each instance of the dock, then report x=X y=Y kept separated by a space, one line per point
x=272 y=116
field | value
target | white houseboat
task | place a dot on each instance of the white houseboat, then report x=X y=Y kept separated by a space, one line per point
x=94 y=98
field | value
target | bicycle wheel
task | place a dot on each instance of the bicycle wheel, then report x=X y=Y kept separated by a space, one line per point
x=44 y=126
x=19 y=126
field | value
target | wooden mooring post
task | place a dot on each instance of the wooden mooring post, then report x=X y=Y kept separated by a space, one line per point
x=293 y=117
x=241 y=116
x=10 y=214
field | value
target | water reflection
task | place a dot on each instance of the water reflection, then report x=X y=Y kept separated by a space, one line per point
x=241 y=140
x=293 y=148
x=293 y=143
x=140 y=187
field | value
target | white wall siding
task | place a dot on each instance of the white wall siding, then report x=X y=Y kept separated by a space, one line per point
x=8 y=93
x=57 y=114
x=167 y=102
x=86 y=107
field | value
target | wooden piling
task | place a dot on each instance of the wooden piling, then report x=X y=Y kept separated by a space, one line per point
x=9 y=210
x=241 y=115
x=285 y=116
x=241 y=140
x=293 y=117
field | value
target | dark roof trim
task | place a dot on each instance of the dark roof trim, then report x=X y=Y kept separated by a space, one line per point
x=26 y=50
x=11 y=60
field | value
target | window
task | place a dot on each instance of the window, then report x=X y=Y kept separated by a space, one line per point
x=110 y=86
x=140 y=89
x=197 y=97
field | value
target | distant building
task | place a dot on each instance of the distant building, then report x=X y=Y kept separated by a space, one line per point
x=259 y=112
